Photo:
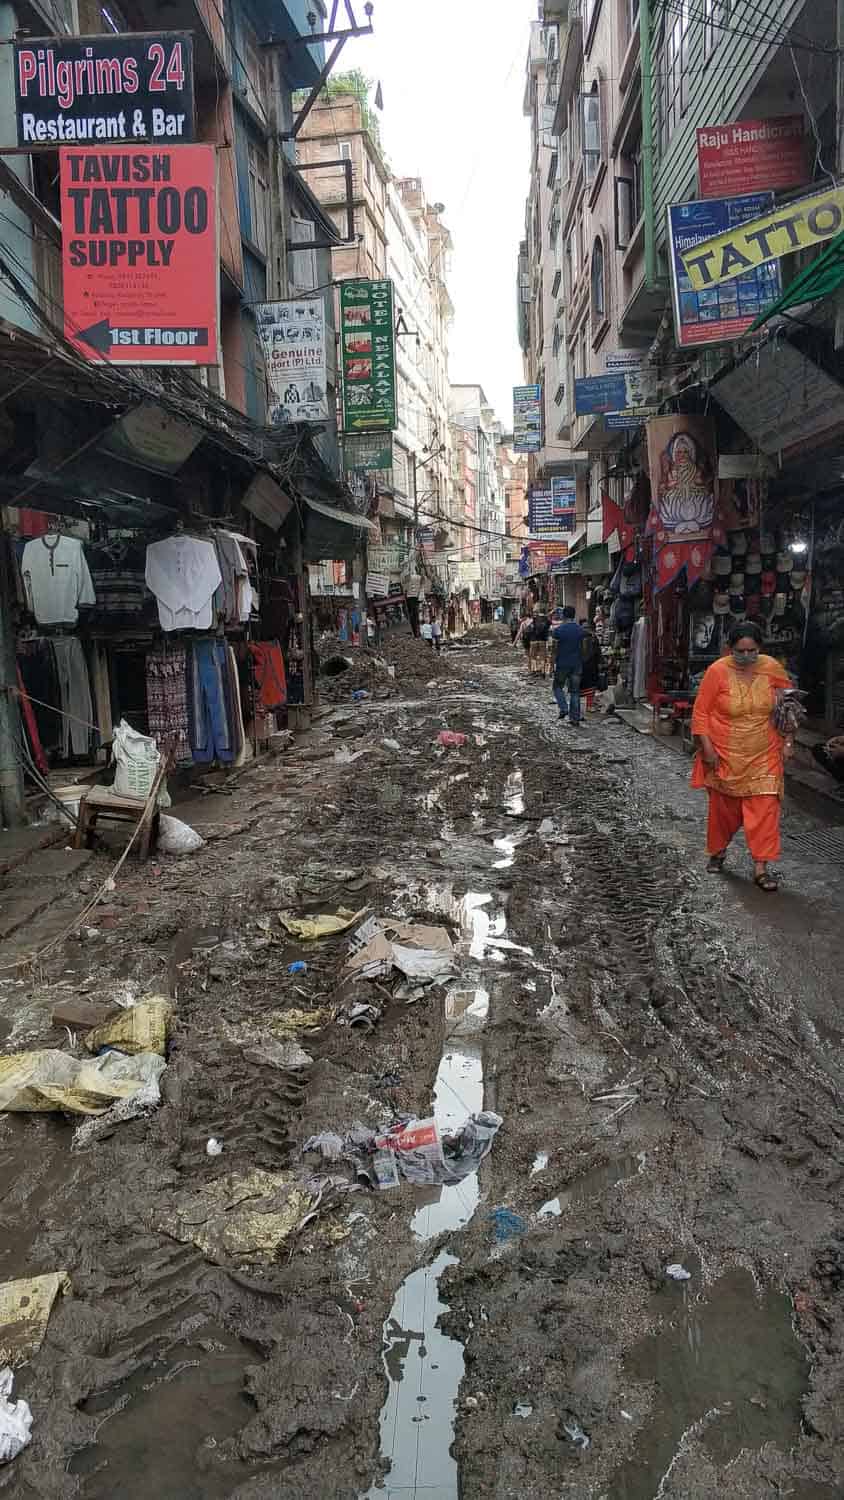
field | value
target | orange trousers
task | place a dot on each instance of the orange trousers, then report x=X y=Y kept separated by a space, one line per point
x=759 y=816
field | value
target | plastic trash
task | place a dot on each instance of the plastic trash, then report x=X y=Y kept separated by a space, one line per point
x=575 y=1434
x=678 y=1272
x=143 y=1028
x=25 y=1307
x=507 y=1225
x=176 y=837
x=136 y=761
x=451 y=739
x=238 y=1216
x=391 y=745
x=15 y=1420
x=288 y=1056
x=46 y=1080
x=144 y=1070
x=309 y=929
x=214 y=1147
x=297 y=967
x=359 y=695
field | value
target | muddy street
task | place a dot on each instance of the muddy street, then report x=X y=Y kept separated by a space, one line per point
x=639 y=1292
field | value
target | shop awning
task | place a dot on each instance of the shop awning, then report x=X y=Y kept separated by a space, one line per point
x=331 y=532
x=821 y=279
x=592 y=560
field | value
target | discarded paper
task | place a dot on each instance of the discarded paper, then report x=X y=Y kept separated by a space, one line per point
x=25 y=1308
x=419 y=952
x=237 y=1217
x=15 y=1420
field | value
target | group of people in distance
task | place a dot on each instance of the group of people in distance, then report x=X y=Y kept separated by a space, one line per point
x=560 y=646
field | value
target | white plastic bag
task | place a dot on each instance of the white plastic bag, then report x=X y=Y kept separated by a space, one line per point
x=176 y=837
x=15 y=1420
x=136 y=761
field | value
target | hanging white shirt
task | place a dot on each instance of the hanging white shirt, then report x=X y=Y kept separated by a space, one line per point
x=56 y=578
x=183 y=573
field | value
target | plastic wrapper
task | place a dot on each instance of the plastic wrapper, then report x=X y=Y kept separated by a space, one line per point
x=46 y=1080
x=25 y=1307
x=140 y=1028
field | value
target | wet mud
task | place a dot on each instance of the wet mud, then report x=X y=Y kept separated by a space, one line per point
x=664 y=1049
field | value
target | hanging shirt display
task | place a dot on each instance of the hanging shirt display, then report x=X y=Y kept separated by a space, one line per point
x=56 y=578
x=234 y=596
x=183 y=573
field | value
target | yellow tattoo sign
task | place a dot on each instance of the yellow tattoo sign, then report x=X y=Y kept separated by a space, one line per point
x=792 y=226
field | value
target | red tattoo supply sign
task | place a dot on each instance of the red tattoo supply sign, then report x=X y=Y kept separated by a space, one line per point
x=750 y=156
x=139 y=254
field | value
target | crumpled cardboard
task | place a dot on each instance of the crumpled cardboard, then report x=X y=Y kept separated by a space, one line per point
x=418 y=951
x=38 y=1082
x=25 y=1308
x=238 y=1216
x=327 y=925
x=140 y=1028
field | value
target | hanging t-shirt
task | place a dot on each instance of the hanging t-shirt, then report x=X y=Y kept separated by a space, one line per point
x=183 y=573
x=56 y=578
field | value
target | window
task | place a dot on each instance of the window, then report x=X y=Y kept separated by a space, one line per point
x=591 y=105
x=599 y=291
x=254 y=64
x=367 y=169
x=673 y=64
x=302 y=262
x=259 y=197
x=716 y=14
x=625 y=221
x=345 y=150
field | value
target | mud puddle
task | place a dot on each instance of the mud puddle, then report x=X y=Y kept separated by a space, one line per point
x=159 y=1429
x=725 y=1363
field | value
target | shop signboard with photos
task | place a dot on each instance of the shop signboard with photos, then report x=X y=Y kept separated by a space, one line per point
x=715 y=314
x=86 y=90
x=292 y=336
x=368 y=356
x=527 y=418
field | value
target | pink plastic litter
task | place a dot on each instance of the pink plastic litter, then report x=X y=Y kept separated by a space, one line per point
x=451 y=739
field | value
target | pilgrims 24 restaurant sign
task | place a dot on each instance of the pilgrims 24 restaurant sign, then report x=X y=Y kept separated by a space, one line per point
x=139 y=254
x=104 y=88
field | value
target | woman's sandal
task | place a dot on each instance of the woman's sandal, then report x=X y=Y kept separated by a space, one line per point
x=716 y=863
x=766 y=881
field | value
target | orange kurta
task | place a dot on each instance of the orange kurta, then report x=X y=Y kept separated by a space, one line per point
x=734 y=712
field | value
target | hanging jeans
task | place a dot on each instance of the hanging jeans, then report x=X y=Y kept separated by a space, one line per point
x=211 y=732
x=568 y=677
x=75 y=689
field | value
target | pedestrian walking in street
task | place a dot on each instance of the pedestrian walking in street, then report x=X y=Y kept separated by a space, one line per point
x=523 y=637
x=426 y=631
x=741 y=756
x=591 y=653
x=538 y=639
x=436 y=634
x=568 y=664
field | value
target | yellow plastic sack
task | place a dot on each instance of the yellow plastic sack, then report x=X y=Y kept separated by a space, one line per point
x=25 y=1308
x=311 y=928
x=139 y=1028
x=237 y=1217
x=38 y=1082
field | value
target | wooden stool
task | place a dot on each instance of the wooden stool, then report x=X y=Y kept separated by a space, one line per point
x=101 y=802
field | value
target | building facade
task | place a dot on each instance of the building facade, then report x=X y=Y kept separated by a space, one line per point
x=475 y=433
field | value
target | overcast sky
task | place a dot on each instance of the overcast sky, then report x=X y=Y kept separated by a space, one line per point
x=452 y=74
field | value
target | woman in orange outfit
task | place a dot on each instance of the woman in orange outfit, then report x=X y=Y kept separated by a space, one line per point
x=740 y=759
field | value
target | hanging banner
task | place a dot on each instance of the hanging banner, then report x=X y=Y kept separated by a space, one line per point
x=683 y=520
x=722 y=257
x=368 y=355
x=140 y=265
x=748 y=156
x=292 y=336
x=371 y=452
x=563 y=498
x=716 y=314
x=527 y=418
x=107 y=87
x=543 y=520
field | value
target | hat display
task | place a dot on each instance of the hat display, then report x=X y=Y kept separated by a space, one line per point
x=785 y=562
x=721 y=604
x=736 y=583
x=753 y=563
x=722 y=564
x=767 y=541
x=738 y=543
x=736 y=604
x=798 y=578
x=779 y=604
x=753 y=606
x=768 y=583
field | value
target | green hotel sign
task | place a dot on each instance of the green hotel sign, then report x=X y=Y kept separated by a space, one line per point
x=368 y=356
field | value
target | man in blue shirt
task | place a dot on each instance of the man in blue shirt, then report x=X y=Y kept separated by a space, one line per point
x=568 y=665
